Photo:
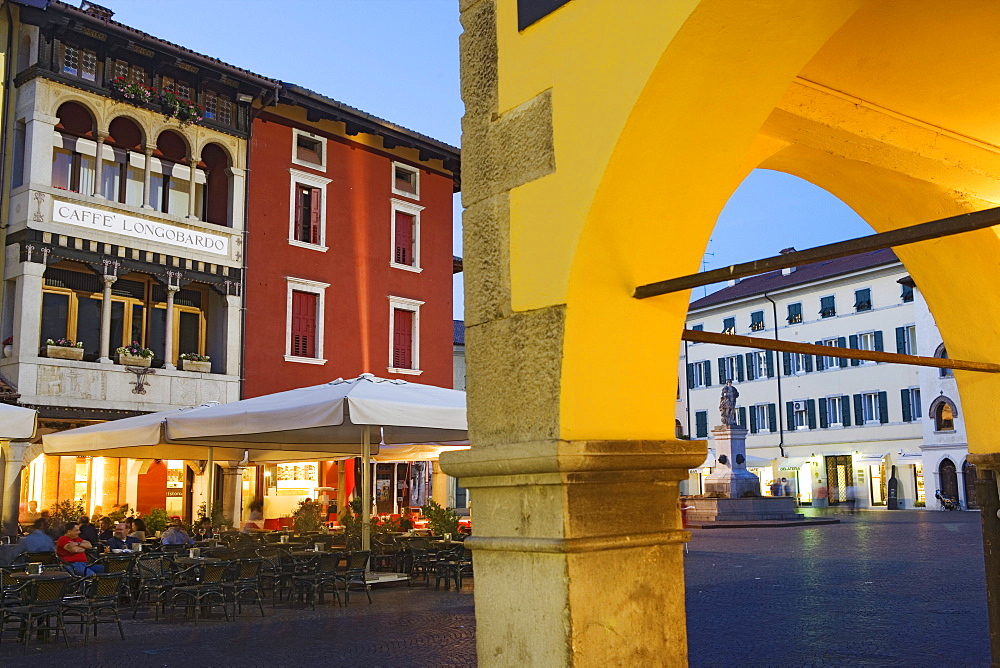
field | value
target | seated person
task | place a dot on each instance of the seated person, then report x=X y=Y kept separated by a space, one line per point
x=38 y=540
x=138 y=528
x=107 y=529
x=405 y=523
x=121 y=540
x=205 y=530
x=72 y=549
x=88 y=531
x=175 y=535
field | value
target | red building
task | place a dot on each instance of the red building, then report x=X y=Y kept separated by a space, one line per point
x=349 y=248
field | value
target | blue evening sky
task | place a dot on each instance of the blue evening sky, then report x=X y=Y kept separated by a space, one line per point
x=398 y=59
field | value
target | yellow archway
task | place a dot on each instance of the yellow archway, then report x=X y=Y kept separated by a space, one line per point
x=600 y=144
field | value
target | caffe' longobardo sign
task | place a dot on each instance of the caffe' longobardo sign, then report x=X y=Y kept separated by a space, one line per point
x=140 y=228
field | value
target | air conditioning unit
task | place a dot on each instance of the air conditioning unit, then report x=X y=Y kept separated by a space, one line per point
x=799 y=405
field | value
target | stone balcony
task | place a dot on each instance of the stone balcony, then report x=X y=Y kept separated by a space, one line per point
x=44 y=381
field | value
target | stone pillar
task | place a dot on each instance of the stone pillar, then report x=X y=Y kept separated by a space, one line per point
x=730 y=475
x=168 y=337
x=232 y=494
x=440 y=491
x=237 y=188
x=193 y=161
x=233 y=333
x=28 y=281
x=39 y=133
x=105 y=352
x=99 y=165
x=146 y=176
x=13 y=464
x=989 y=508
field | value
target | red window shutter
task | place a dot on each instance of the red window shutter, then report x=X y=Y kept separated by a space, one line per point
x=315 y=201
x=404 y=238
x=299 y=197
x=402 y=339
x=303 y=324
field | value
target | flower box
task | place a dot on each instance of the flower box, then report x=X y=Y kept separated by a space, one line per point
x=64 y=352
x=133 y=360
x=200 y=367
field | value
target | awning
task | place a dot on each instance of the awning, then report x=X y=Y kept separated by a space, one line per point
x=792 y=463
x=869 y=459
x=758 y=462
x=709 y=461
x=910 y=457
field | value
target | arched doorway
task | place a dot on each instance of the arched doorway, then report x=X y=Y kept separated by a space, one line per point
x=969 y=482
x=948 y=478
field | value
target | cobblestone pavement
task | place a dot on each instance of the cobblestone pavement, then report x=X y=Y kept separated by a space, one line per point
x=416 y=626
x=881 y=589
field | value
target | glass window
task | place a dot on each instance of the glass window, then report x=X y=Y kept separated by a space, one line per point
x=800 y=415
x=863 y=300
x=797 y=363
x=732 y=369
x=795 y=313
x=830 y=362
x=869 y=407
x=835 y=411
x=189 y=332
x=760 y=414
x=907 y=294
x=405 y=179
x=729 y=326
x=756 y=321
x=88 y=324
x=309 y=149
x=55 y=315
x=827 y=307
x=62 y=167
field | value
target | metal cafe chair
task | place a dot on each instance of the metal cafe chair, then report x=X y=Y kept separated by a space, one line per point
x=42 y=605
x=99 y=603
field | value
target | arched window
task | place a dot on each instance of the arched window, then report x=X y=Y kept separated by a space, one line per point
x=943 y=411
x=942 y=353
x=121 y=181
x=73 y=158
x=215 y=162
x=170 y=181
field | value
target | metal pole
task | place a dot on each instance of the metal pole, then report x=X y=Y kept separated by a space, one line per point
x=989 y=506
x=366 y=492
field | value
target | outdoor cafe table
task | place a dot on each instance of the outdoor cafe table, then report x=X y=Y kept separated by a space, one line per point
x=46 y=575
x=195 y=561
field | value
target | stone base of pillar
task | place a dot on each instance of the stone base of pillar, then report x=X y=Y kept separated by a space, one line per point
x=169 y=367
x=579 y=550
x=733 y=483
x=105 y=360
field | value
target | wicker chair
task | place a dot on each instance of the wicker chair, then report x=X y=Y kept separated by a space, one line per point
x=322 y=573
x=99 y=604
x=155 y=580
x=207 y=592
x=43 y=606
x=354 y=573
x=244 y=583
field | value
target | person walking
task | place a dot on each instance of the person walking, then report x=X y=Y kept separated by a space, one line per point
x=851 y=493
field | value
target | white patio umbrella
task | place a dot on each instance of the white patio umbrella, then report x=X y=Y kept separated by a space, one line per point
x=331 y=417
x=17 y=423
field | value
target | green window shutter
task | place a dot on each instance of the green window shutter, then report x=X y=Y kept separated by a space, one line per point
x=845 y=406
x=739 y=368
x=841 y=343
x=790 y=414
x=859 y=411
x=809 y=363
x=901 y=340
x=883 y=407
x=690 y=371
x=770 y=363
x=753 y=421
x=820 y=364
x=722 y=371
x=741 y=419
x=823 y=421
x=750 y=373
x=904 y=396
x=701 y=424
x=854 y=346
x=811 y=411
x=786 y=363
x=879 y=345
x=772 y=417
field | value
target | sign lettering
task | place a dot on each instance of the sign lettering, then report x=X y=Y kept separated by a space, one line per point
x=140 y=228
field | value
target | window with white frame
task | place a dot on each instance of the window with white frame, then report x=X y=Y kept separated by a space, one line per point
x=308 y=149
x=906 y=340
x=835 y=411
x=866 y=341
x=405 y=180
x=830 y=362
x=756 y=321
x=304 y=320
x=307 y=210
x=758 y=362
x=760 y=414
x=910 y=400
x=700 y=372
x=800 y=415
x=732 y=368
x=405 y=234
x=404 y=335
x=797 y=363
x=729 y=325
x=870 y=407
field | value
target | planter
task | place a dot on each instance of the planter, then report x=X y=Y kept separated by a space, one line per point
x=64 y=352
x=129 y=360
x=200 y=367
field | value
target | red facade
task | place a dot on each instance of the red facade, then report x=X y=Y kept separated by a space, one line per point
x=320 y=256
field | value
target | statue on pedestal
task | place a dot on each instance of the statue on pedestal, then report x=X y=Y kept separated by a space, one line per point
x=727 y=404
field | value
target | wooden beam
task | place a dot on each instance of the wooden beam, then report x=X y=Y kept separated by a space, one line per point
x=828 y=351
x=936 y=229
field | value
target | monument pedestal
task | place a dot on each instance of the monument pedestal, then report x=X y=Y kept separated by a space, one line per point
x=730 y=476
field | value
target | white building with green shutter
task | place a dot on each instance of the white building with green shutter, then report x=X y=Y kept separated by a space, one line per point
x=823 y=422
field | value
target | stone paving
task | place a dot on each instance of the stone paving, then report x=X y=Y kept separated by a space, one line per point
x=882 y=588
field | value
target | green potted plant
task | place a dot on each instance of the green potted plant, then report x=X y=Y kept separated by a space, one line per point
x=67 y=511
x=156 y=521
x=196 y=362
x=307 y=516
x=440 y=520
x=134 y=355
x=64 y=349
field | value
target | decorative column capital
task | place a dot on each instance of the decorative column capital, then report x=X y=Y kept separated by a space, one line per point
x=101 y=136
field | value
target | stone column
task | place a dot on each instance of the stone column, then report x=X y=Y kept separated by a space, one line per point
x=28 y=281
x=13 y=464
x=233 y=343
x=237 y=183
x=99 y=164
x=105 y=352
x=146 y=176
x=232 y=494
x=168 y=338
x=194 y=160
x=439 y=485
x=39 y=133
